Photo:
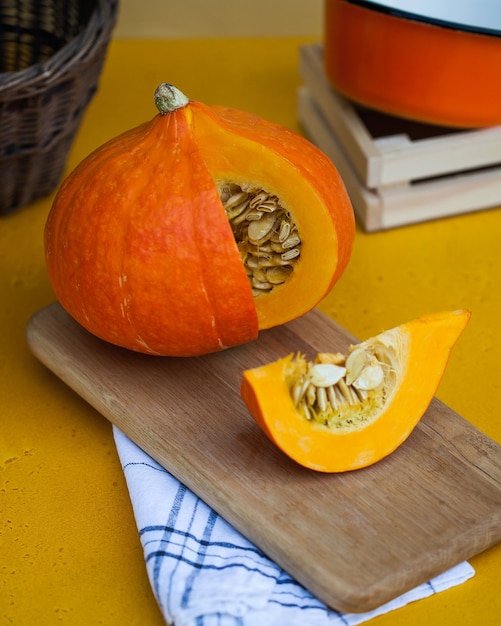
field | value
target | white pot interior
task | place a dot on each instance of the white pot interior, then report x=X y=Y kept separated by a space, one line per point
x=476 y=15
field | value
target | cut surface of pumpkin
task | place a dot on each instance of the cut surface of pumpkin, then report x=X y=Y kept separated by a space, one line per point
x=341 y=412
x=194 y=231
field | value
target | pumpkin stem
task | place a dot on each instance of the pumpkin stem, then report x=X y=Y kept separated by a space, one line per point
x=169 y=98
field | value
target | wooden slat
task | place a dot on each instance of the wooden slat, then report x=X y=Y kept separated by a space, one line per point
x=356 y=539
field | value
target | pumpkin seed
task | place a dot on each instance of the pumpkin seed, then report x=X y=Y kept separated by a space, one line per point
x=260 y=276
x=260 y=284
x=241 y=216
x=235 y=199
x=258 y=230
x=260 y=254
x=322 y=399
x=252 y=263
x=326 y=374
x=299 y=390
x=311 y=394
x=348 y=395
x=254 y=216
x=268 y=206
x=285 y=229
x=237 y=210
x=227 y=190
x=355 y=362
x=331 y=396
x=370 y=378
x=291 y=242
x=260 y=197
x=290 y=254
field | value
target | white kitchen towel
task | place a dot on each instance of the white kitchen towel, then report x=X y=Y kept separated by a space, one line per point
x=205 y=573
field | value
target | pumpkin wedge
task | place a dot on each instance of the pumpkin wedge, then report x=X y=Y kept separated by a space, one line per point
x=344 y=412
x=192 y=232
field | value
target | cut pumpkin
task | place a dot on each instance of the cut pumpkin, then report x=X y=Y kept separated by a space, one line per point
x=194 y=231
x=344 y=412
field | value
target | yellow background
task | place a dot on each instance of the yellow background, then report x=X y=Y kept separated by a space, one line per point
x=219 y=18
x=70 y=552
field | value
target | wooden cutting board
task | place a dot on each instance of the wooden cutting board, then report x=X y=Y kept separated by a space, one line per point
x=355 y=540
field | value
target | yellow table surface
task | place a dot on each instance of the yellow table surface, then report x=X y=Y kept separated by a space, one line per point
x=70 y=552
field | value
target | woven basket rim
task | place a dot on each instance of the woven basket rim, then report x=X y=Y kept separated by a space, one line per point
x=39 y=76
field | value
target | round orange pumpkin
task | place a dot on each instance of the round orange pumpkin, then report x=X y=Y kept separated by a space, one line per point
x=195 y=230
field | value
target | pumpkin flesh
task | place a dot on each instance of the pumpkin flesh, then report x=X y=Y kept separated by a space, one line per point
x=288 y=166
x=413 y=357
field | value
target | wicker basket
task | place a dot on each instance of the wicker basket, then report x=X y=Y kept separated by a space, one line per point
x=52 y=52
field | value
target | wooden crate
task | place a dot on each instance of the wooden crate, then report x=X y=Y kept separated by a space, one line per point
x=398 y=171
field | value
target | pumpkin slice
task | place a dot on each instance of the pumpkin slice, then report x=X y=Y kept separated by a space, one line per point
x=192 y=232
x=344 y=412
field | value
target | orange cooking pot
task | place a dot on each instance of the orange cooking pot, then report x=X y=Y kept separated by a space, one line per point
x=435 y=61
